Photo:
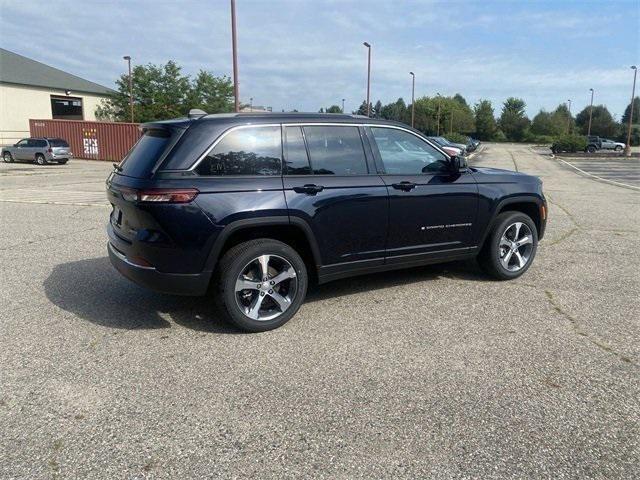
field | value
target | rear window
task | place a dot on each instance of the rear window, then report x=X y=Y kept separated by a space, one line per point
x=58 y=142
x=144 y=155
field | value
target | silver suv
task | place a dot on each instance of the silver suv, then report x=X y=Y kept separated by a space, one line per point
x=38 y=150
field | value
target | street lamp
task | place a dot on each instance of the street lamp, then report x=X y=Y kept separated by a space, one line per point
x=413 y=101
x=343 y=105
x=569 y=122
x=590 y=112
x=368 y=76
x=627 y=148
x=251 y=104
x=438 y=121
x=234 y=47
x=128 y=59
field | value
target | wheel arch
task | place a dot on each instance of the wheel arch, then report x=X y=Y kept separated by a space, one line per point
x=295 y=232
x=530 y=205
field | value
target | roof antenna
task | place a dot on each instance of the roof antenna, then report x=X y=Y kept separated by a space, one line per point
x=196 y=113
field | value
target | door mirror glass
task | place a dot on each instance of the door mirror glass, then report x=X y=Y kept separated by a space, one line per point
x=458 y=162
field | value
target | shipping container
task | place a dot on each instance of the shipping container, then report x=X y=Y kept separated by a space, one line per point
x=93 y=140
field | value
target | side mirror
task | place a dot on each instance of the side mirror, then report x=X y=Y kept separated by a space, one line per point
x=458 y=163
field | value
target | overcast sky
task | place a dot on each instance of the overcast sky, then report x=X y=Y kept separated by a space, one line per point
x=308 y=54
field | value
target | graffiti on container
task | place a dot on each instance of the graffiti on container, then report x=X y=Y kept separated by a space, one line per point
x=90 y=141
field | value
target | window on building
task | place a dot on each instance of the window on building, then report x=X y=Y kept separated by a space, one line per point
x=66 y=108
x=245 y=151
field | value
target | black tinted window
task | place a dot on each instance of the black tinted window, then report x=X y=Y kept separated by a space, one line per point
x=246 y=151
x=404 y=153
x=296 y=159
x=58 y=142
x=143 y=156
x=336 y=150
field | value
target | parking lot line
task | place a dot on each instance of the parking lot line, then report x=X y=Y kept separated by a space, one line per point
x=620 y=184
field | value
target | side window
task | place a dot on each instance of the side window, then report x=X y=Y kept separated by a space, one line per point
x=296 y=159
x=41 y=143
x=403 y=153
x=245 y=151
x=336 y=150
x=23 y=143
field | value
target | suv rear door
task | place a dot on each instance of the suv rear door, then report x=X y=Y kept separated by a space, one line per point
x=431 y=210
x=331 y=185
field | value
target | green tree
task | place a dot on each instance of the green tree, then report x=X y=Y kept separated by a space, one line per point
x=636 y=112
x=162 y=91
x=362 y=109
x=377 y=109
x=485 y=120
x=396 y=111
x=334 y=109
x=602 y=123
x=461 y=100
x=513 y=119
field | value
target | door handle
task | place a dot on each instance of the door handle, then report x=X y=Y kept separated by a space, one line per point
x=405 y=186
x=309 y=189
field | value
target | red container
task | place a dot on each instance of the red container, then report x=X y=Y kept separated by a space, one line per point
x=95 y=140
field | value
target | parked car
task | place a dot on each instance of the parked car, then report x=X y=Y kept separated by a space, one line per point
x=252 y=207
x=443 y=142
x=606 y=144
x=472 y=144
x=452 y=151
x=39 y=150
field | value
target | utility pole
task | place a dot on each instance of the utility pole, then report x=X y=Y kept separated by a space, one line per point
x=234 y=44
x=368 y=77
x=128 y=59
x=627 y=148
x=413 y=97
x=438 y=127
x=590 y=113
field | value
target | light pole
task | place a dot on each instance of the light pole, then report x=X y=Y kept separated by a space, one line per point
x=569 y=122
x=413 y=99
x=343 y=105
x=234 y=47
x=590 y=112
x=251 y=104
x=128 y=59
x=438 y=121
x=451 y=124
x=627 y=148
x=368 y=76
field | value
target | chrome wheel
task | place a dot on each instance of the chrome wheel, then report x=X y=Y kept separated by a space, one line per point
x=516 y=246
x=266 y=287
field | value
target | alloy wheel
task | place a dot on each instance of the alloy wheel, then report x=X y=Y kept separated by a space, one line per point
x=266 y=287
x=516 y=246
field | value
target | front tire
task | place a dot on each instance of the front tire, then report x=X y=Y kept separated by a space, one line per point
x=63 y=162
x=261 y=284
x=511 y=246
x=7 y=157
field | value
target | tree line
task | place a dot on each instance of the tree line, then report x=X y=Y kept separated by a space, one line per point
x=163 y=91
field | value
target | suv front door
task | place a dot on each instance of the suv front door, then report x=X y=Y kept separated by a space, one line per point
x=432 y=210
x=21 y=150
x=331 y=186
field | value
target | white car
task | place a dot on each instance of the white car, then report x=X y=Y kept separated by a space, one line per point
x=611 y=145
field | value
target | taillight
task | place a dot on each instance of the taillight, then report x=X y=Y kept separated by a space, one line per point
x=50 y=150
x=165 y=195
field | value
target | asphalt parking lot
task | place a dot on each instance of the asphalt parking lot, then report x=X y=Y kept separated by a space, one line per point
x=435 y=372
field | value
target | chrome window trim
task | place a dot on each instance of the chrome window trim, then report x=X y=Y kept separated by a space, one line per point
x=302 y=124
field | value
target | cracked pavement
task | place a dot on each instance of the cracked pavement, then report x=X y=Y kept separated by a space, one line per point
x=433 y=372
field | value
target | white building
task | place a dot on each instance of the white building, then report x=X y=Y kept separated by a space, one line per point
x=30 y=89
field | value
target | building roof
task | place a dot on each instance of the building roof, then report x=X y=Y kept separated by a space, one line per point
x=21 y=70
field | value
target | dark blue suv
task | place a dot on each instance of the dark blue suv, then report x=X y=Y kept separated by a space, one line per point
x=254 y=206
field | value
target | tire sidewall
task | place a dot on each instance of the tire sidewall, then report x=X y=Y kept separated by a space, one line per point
x=40 y=160
x=232 y=271
x=502 y=222
x=7 y=157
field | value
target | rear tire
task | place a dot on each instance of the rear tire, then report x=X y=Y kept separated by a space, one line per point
x=7 y=157
x=40 y=160
x=591 y=149
x=618 y=148
x=62 y=162
x=510 y=247
x=272 y=297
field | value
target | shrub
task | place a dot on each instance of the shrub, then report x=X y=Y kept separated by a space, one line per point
x=499 y=136
x=569 y=143
x=531 y=137
x=456 y=138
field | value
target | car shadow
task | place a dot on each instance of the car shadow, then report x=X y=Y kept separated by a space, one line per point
x=94 y=291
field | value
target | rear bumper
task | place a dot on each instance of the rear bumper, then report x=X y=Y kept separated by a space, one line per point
x=172 y=283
